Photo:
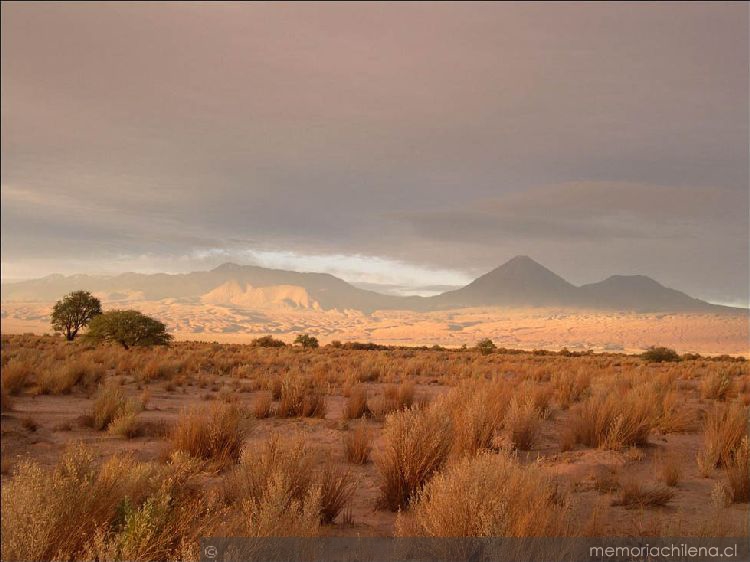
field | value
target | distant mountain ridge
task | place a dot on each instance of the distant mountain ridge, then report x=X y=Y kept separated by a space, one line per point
x=519 y=283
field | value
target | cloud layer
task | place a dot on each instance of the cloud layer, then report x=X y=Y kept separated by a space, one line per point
x=443 y=137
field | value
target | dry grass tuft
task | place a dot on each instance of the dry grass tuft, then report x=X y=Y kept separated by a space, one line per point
x=724 y=429
x=738 y=473
x=214 y=434
x=523 y=425
x=15 y=375
x=670 y=470
x=417 y=444
x=716 y=385
x=358 y=444
x=634 y=494
x=612 y=421
x=356 y=403
x=477 y=412
x=54 y=514
x=262 y=406
x=276 y=490
x=336 y=489
x=109 y=404
x=571 y=388
x=489 y=495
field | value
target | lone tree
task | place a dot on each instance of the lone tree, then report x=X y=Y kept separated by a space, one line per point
x=306 y=340
x=73 y=312
x=129 y=328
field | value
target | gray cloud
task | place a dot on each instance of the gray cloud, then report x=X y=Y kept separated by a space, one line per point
x=410 y=132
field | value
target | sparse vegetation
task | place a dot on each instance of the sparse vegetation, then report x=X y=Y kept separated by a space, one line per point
x=444 y=428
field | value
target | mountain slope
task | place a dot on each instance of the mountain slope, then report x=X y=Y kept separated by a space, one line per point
x=639 y=293
x=520 y=282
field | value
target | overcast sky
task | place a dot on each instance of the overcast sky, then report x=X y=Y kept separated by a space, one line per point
x=405 y=144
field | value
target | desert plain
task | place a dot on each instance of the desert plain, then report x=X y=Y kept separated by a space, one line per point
x=523 y=328
x=110 y=453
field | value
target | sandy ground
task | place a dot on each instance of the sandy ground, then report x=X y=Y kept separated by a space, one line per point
x=526 y=329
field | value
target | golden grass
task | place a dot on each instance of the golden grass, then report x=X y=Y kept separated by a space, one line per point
x=214 y=434
x=356 y=403
x=716 y=386
x=670 y=470
x=278 y=492
x=358 y=444
x=417 y=444
x=109 y=404
x=336 y=489
x=489 y=495
x=635 y=494
x=523 y=425
x=262 y=406
x=54 y=514
x=737 y=470
x=724 y=429
x=612 y=421
x=15 y=375
x=477 y=411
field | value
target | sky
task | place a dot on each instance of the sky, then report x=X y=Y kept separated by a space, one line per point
x=407 y=145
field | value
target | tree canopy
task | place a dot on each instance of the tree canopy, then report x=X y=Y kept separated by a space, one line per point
x=129 y=328
x=306 y=340
x=73 y=312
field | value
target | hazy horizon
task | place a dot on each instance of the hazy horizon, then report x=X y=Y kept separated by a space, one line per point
x=392 y=145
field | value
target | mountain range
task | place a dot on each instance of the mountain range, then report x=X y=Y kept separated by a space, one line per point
x=519 y=283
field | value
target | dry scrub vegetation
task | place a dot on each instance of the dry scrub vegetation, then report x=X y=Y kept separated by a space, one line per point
x=133 y=454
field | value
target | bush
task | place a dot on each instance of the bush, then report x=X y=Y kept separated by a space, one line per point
x=128 y=328
x=485 y=346
x=417 y=444
x=306 y=341
x=267 y=341
x=489 y=495
x=216 y=434
x=660 y=355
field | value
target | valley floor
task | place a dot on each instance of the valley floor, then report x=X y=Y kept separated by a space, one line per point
x=526 y=329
